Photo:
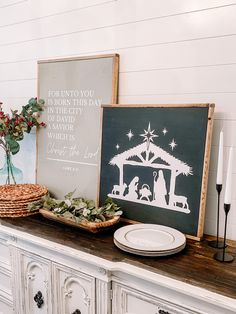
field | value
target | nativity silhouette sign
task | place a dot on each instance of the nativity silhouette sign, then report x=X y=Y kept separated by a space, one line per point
x=154 y=161
x=148 y=154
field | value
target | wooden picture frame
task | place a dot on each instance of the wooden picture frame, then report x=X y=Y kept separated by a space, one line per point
x=155 y=163
x=68 y=148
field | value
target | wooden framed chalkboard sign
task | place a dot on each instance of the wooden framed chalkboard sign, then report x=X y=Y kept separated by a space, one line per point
x=155 y=162
x=68 y=149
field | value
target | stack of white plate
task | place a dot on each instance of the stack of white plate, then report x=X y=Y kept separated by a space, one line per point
x=149 y=240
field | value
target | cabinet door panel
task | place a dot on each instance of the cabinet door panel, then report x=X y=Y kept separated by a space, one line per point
x=35 y=284
x=74 y=291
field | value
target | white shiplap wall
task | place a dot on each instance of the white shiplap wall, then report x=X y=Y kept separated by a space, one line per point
x=172 y=51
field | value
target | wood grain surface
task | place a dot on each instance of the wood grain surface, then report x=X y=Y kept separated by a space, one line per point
x=194 y=265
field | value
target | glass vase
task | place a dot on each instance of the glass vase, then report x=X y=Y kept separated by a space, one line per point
x=9 y=174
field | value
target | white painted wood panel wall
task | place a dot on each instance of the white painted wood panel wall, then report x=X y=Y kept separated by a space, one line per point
x=171 y=52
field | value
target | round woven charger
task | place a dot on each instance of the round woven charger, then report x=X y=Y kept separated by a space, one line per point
x=17 y=214
x=2 y=208
x=21 y=192
x=17 y=203
x=15 y=211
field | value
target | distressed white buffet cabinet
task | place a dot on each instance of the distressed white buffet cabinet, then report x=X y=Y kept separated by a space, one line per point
x=47 y=268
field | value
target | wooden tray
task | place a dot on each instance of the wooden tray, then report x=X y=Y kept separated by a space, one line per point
x=93 y=227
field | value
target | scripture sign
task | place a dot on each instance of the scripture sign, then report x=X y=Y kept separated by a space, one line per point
x=69 y=147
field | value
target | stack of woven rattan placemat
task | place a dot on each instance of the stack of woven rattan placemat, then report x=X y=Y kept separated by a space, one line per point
x=14 y=199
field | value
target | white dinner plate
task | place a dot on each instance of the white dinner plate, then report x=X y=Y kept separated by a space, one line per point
x=149 y=253
x=149 y=237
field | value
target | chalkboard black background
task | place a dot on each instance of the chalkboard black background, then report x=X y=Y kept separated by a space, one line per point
x=188 y=127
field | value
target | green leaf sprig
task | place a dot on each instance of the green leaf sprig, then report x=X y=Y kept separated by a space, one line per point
x=78 y=208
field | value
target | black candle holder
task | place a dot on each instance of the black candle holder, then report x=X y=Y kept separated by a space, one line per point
x=217 y=243
x=222 y=256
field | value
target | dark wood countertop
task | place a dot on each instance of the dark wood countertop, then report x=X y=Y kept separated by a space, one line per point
x=194 y=265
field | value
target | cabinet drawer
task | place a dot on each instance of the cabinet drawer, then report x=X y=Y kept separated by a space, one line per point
x=131 y=301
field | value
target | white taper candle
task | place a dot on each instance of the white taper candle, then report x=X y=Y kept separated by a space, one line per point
x=219 y=178
x=228 y=185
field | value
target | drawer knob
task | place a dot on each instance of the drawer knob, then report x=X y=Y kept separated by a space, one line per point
x=38 y=298
x=163 y=312
x=76 y=312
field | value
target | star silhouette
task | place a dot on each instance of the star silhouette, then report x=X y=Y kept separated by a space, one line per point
x=164 y=131
x=148 y=135
x=172 y=144
x=130 y=135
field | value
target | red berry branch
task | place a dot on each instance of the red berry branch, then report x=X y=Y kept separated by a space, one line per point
x=13 y=127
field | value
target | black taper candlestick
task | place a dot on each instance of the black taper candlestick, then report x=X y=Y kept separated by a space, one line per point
x=222 y=256
x=216 y=243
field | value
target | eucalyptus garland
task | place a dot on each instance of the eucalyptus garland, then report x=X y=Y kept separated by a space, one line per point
x=78 y=208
